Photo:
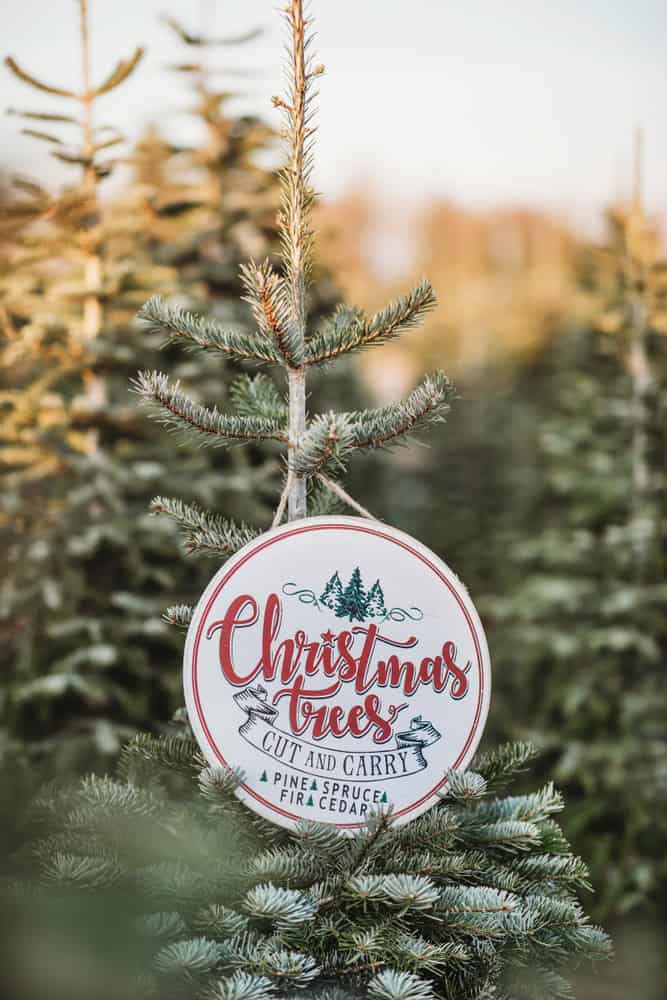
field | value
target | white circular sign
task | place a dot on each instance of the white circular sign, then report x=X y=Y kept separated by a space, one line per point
x=342 y=667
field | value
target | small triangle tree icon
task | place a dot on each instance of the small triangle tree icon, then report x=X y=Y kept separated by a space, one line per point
x=313 y=786
x=376 y=607
x=384 y=798
x=353 y=603
x=332 y=593
x=264 y=777
x=310 y=800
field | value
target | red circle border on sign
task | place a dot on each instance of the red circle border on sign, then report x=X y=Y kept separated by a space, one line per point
x=336 y=527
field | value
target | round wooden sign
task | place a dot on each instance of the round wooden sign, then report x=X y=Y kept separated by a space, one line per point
x=342 y=667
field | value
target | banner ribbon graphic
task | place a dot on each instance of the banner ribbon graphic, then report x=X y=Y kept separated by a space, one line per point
x=260 y=731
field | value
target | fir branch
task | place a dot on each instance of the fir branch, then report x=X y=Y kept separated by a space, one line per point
x=218 y=785
x=207 y=533
x=284 y=907
x=65 y=869
x=392 y=985
x=324 y=446
x=257 y=396
x=164 y=925
x=186 y=960
x=109 y=797
x=499 y=766
x=48 y=88
x=179 y=615
x=219 y=921
x=266 y=294
x=204 y=334
x=507 y=835
x=339 y=337
x=427 y=956
x=167 y=404
x=532 y=808
x=266 y=957
x=171 y=753
x=295 y=230
x=242 y=986
x=465 y=786
x=293 y=865
x=426 y=405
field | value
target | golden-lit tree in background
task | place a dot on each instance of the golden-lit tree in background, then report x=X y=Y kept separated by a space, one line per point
x=84 y=642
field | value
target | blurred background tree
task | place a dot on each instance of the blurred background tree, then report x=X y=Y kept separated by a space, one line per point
x=581 y=627
x=85 y=651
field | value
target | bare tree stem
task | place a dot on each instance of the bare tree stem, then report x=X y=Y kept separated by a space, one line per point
x=295 y=242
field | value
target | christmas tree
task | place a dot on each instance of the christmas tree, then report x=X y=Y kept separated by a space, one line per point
x=353 y=602
x=332 y=593
x=88 y=569
x=583 y=626
x=375 y=605
x=474 y=899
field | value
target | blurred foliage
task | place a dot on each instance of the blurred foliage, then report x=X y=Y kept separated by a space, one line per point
x=85 y=651
x=548 y=497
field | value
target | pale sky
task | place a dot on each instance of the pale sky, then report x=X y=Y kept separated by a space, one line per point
x=487 y=101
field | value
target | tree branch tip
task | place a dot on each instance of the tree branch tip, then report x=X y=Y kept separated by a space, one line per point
x=278 y=102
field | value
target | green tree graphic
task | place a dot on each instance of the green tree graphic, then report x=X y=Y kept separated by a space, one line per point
x=353 y=603
x=375 y=605
x=332 y=593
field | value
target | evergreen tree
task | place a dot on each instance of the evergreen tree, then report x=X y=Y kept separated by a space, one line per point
x=476 y=898
x=332 y=593
x=473 y=899
x=583 y=624
x=353 y=602
x=375 y=605
x=88 y=570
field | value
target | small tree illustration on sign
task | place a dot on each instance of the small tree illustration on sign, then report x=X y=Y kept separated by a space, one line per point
x=332 y=593
x=353 y=603
x=375 y=606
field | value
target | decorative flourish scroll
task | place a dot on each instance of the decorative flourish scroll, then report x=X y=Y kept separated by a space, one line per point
x=401 y=614
x=352 y=600
x=303 y=594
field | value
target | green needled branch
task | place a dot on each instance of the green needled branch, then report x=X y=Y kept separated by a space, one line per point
x=206 y=425
x=426 y=405
x=350 y=330
x=204 y=532
x=204 y=334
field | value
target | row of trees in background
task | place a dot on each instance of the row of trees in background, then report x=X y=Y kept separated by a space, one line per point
x=547 y=494
x=85 y=650
x=558 y=525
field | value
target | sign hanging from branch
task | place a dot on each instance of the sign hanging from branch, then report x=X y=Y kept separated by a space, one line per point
x=342 y=667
